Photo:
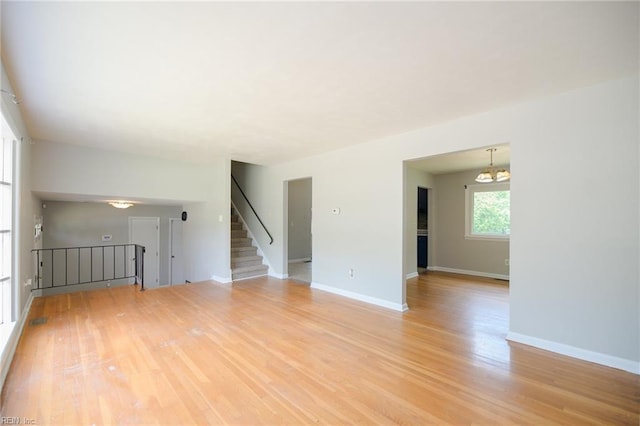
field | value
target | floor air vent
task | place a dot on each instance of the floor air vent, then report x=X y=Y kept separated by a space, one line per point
x=38 y=321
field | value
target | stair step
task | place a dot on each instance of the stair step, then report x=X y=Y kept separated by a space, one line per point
x=237 y=262
x=249 y=272
x=238 y=233
x=245 y=261
x=240 y=242
x=244 y=251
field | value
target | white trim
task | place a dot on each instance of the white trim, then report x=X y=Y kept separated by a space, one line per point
x=467 y=272
x=469 y=190
x=412 y=275
x=171 y=224
x=361 y=297
x=221 y=280
x=12 y=343
x=276 y=275
x=488 y=237
x=157 y=219
x=572 y=351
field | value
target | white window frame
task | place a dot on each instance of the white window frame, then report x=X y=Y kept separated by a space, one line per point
x=470 y=190
x=8 y=298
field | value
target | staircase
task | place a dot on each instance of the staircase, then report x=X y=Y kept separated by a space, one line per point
x=245 y=262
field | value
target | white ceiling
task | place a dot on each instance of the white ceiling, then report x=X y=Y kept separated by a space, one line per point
x=463 y=160
x=271 y=82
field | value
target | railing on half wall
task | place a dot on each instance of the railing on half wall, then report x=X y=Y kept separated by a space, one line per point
x=69 y=266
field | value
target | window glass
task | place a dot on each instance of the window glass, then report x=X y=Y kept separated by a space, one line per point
x=488 y=211
x=6 y=226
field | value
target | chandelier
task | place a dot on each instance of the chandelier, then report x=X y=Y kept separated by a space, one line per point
x=492 y=174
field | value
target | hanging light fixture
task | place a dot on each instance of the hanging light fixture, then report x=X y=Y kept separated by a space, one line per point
x=121 y=204
x=492 y=174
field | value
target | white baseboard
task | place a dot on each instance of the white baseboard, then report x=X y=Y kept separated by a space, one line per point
x=12 y=343
x=412 y=275
x=222 y=280
x=361 y=297
x=467 y=272
x=572 y=351
x=278 y=276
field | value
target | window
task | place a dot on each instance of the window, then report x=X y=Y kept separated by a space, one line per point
x=487 y=211
x=6 y=225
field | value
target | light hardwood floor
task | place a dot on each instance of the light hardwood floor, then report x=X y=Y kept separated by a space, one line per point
x=267 y=351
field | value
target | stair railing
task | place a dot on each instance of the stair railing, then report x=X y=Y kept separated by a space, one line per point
x=69 y=266
x=252 y=209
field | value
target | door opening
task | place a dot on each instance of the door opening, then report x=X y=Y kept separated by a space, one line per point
x=299 y=247
x=145 y=231
x=423 y=228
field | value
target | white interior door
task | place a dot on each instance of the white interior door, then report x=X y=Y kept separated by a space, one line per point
x=176 y=272
x=145 y=231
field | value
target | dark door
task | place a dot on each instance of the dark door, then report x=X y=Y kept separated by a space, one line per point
x=423 y=226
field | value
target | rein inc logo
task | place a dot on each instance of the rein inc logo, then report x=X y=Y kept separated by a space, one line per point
x=17 y=421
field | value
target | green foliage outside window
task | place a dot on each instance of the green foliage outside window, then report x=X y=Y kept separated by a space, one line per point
x=491 y=213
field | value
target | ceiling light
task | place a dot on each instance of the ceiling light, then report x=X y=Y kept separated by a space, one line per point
x=121 y=204
x=491 y=174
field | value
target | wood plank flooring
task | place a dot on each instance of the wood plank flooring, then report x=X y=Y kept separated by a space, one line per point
x=267 y=351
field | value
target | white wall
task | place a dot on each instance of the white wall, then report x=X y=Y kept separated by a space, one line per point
x=367 y=235
x=203 y=189
x=574 y=244
x=207 y=231
x=71 y=169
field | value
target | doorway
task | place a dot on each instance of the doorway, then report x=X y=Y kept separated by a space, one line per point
x=176 y=265
x=299 y=248
x=145 y=231
x=423 y=229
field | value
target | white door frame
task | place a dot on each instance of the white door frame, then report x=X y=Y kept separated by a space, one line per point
x=157 y=219
x=171 y=224
x=285 y=228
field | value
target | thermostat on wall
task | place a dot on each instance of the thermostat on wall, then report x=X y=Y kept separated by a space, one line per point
x=106 y=238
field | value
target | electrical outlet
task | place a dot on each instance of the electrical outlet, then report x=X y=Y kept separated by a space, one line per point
x=351 y=273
